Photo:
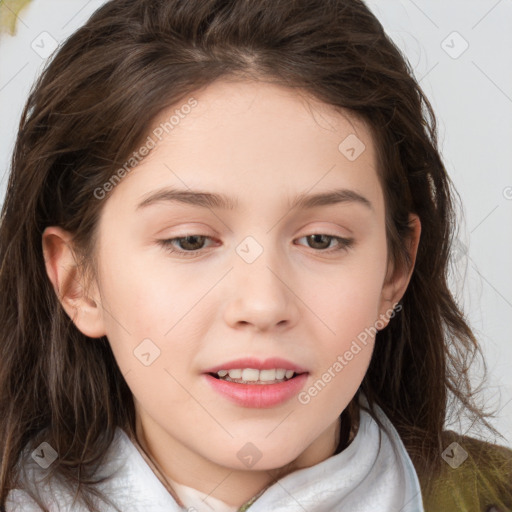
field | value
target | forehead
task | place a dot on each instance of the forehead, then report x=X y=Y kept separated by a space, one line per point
x=254 y=111
x=257 y=140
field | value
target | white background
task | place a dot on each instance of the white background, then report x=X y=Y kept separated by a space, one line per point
x=471 y=92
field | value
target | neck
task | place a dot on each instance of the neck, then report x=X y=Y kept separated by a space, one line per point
x=236 y=487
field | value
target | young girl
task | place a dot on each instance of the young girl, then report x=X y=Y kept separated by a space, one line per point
x=224 y=252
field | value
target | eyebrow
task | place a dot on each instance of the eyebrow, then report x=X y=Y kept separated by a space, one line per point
x=221 y=201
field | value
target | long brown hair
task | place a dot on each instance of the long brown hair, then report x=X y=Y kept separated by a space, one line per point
x=87 y=113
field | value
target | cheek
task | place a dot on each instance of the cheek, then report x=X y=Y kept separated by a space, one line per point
x=345 y=339
x=347 y=302
x=148 y=311
x=348 y=298
x=150 y=293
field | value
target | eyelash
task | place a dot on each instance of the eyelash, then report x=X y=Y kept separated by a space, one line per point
x=344 y=244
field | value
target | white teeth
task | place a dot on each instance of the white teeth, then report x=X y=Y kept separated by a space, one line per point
x=235 y=374
x=280 y=373
x=249 y=374
x=254 y=375
x=267 y=374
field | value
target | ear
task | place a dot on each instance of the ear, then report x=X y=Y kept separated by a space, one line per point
x=69 y=284
x=398 y=279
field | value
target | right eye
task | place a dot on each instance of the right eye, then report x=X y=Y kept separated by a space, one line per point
x=191 y=245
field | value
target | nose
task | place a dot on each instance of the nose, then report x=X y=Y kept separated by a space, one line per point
x=261 y=294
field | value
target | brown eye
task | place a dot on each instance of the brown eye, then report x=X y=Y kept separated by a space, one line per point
x=322 y=242
x=317 y=242
x=185 y=246
x=192 y=242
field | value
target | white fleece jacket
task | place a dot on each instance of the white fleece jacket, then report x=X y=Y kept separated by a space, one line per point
x=362 y=478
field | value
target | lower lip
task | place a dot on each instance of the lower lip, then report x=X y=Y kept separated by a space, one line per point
x=258 y=395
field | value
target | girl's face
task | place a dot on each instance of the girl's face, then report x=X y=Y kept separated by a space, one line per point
x=266 y=280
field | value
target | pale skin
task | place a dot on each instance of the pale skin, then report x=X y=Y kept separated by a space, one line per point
x=261 y=145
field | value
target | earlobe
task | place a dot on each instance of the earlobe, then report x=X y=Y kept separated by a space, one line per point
x=397 y=280
x=68 y=282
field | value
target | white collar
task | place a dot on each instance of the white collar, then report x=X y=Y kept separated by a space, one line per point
x=362 y=477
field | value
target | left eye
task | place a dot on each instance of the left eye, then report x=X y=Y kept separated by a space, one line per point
x=343 y=243
x=192 y=244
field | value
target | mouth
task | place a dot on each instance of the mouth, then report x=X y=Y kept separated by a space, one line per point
x=254 y=383
x=253 y=388
x=255 y=376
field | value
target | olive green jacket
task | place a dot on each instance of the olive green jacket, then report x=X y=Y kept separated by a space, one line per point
x=477 y=477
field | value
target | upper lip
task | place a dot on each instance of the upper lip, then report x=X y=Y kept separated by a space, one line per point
x=258 y=364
